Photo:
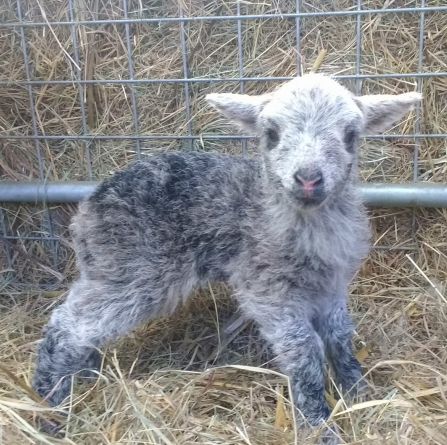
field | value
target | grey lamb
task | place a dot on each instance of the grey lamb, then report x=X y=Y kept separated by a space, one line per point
x=286 y=230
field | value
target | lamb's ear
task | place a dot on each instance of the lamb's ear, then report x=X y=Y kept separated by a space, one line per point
x=241 y=109
x=381 y=111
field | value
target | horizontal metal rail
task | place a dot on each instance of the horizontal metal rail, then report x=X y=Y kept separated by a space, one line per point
x=374 y=194
x=295 y=15
x=422 y=194
x=212 y=79
x=211 y=137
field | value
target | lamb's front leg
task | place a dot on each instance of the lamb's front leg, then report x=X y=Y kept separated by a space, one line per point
x=335 y=327
x=300 y=353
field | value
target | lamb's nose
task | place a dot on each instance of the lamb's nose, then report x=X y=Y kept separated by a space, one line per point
x=310 y=182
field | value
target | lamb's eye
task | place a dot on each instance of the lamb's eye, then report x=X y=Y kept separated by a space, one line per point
x=273 y=136
x=350 y=140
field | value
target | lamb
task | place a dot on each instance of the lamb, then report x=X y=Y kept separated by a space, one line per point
x=286 y=230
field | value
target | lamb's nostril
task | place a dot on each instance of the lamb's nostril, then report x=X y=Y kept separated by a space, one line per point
x=309 y=183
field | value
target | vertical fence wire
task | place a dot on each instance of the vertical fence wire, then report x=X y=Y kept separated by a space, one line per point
x=186 y=76
x=358 y=49
x=417 y=124
x=240 y=63
x=298 y=39
x=53 y=246
x=131 y=77
x=80 y=89
x=5 y=235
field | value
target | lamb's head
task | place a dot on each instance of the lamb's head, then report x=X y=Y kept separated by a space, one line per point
x=309 y=130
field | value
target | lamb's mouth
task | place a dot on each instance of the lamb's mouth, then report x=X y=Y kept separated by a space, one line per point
x=307 y=201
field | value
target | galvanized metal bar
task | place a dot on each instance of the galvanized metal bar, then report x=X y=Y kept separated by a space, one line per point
x=132 y=86
x=374 y=194
x=423 y=194
x=291 y=15
x=213 y=79
x=212 y=137
x=38 y=191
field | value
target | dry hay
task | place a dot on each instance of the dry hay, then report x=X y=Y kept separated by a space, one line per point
x=168 y=382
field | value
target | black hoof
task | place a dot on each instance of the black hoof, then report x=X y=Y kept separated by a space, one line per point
x=50 y=426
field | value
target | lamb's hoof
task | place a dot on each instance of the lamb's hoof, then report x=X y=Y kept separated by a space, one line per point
x=50 y=426
x=329 y=435
x=358 y=393
x=326 y=434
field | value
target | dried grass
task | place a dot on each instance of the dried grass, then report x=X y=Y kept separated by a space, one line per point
x=169 y=382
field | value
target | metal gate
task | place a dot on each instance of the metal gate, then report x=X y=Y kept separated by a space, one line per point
x=51 y=106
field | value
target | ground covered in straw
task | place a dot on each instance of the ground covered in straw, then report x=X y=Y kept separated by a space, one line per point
x=183 y=379
x=168 y=383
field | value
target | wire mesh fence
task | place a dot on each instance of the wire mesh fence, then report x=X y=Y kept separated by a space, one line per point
x=87 y=86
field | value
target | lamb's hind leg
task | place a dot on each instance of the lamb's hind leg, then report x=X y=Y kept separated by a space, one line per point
x=93 y=313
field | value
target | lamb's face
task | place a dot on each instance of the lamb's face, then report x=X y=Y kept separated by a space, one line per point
x=309 y=130
x=309 y=133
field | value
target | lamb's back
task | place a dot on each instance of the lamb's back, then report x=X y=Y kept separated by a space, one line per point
x=183 y=209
